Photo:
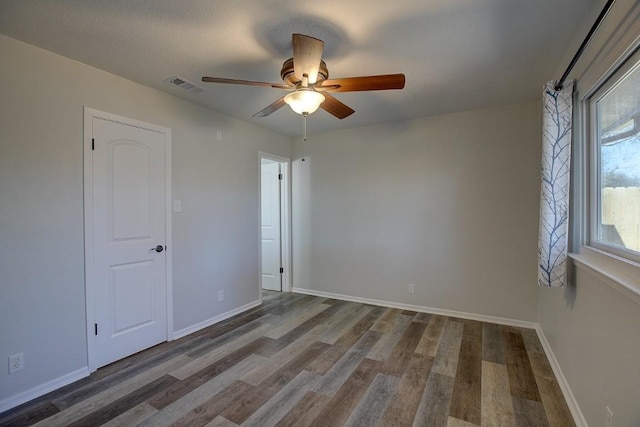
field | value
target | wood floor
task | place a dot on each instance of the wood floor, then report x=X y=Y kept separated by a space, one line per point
x=306 y=361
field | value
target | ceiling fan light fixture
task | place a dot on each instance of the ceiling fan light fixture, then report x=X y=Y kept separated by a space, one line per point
x=304 y=101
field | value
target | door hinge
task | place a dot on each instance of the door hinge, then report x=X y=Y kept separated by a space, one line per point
x=281 y=270
x=280 y=176
x=95 y=327
x=93 y=147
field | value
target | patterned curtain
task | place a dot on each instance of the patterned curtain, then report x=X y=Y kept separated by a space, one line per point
x=554 y=195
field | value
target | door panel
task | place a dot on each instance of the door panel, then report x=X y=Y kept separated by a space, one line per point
x=131 y=190
x=129 y=215
x=270 y=205
x=131 y=287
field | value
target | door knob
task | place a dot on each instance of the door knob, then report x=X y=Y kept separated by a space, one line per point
x=158 y=248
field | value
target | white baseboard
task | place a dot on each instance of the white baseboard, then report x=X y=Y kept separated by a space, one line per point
x=578 y=417
x=212 y=321
x=43 y=389
x=422 y=309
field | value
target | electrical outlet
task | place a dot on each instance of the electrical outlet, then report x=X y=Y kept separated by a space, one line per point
x=412 y=288
x=177 y=206
x=609 y=421
x=220 y=296
x=16 y=363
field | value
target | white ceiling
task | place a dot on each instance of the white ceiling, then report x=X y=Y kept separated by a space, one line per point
x=456 y=54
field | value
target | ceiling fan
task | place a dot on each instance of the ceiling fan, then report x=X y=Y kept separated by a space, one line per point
x=306 y=77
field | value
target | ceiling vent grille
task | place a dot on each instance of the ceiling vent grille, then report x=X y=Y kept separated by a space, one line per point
x=183 y=83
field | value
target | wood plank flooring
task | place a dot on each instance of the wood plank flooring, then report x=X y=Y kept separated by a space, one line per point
x=299 y=360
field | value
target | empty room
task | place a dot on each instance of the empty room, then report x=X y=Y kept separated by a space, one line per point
x=362 y=213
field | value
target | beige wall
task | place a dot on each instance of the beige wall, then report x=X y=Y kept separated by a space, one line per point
x=215 y=238
x=448 y=203
x=591 y=327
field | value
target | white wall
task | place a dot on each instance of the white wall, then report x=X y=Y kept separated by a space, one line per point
x=592 y=328
x=448 y=203
x=216 y=237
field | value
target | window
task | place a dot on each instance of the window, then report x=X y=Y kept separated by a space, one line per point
x=615 y=163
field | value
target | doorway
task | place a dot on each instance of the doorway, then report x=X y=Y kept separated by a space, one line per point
x=127 y=236
x=274 y=223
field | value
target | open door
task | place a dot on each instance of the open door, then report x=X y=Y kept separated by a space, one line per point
x=271 y=178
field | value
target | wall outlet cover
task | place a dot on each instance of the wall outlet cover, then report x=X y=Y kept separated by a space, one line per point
x=16 y=363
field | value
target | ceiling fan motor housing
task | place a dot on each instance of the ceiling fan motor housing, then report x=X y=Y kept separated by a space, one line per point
x=289 y=77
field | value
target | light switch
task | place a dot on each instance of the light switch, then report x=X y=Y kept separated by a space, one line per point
x=177 y=206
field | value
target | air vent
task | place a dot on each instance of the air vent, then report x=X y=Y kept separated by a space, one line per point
x=183 y=83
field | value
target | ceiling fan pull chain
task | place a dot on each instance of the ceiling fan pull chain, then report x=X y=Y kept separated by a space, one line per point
x=304 y=118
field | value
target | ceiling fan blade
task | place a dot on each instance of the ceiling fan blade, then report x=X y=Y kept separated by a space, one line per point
x=323 y=88
x=271 y=108
x=337 y=108
x=355 y=84
x=244 y=82
x=307 y=54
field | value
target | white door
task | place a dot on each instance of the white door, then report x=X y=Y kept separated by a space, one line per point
x=271 y=249
x=129 y=216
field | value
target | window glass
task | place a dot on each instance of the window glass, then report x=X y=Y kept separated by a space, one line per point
x=616 y=202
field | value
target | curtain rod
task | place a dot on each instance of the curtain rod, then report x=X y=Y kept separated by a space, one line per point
x=584 y=44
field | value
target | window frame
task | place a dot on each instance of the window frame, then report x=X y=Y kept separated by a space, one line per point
x=626 y=65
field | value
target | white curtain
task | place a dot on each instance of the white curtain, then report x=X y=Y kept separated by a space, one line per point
x=554 y=195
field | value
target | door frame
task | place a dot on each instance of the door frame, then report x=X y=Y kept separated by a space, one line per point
x=285 y=218
x=89 y=115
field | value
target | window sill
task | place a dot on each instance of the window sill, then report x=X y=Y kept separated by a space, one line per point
x=620 y=274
